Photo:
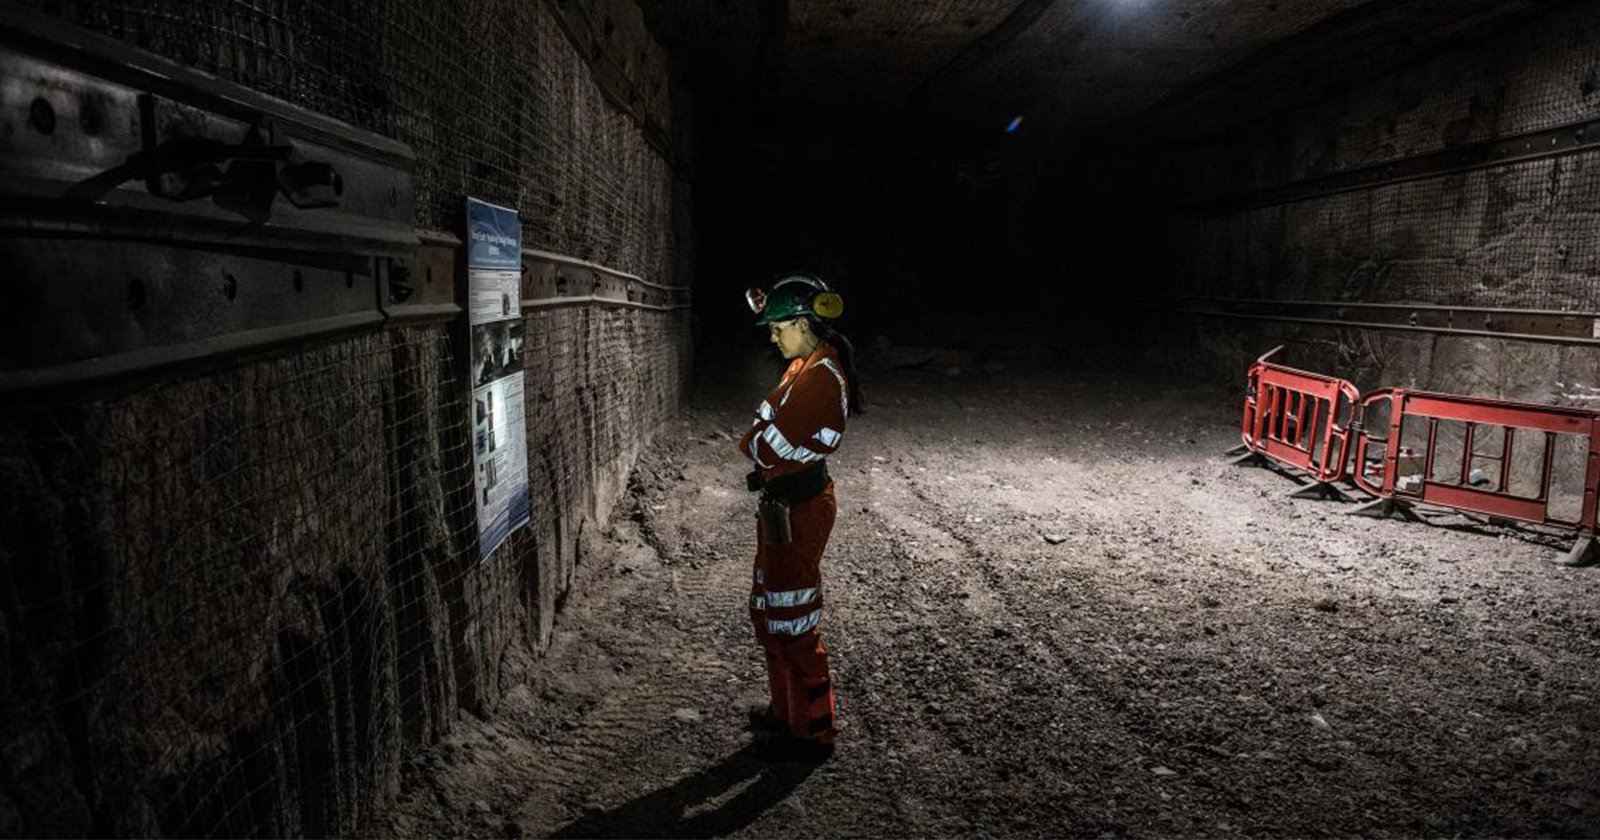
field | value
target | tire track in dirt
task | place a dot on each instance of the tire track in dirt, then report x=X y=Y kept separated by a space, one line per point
x=1159 y=740
x=1099 y=709
x=955 y=654
x=1119 y=739
x=1311 y=625
x=894 y=681
x=1147 y=722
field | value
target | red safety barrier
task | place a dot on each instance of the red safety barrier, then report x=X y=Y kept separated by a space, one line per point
x=1490 y=497
x=1292 y=417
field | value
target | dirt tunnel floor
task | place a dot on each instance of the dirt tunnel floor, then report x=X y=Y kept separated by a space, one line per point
x=1053 y=610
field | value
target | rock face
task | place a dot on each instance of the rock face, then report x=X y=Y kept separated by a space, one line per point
x=231 y=601
x=1515 y=235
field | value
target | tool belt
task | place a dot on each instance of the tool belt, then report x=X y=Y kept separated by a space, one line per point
x=791 y=488
x=779 y=493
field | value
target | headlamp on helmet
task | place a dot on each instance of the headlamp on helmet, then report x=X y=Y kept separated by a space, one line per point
x=795 y=296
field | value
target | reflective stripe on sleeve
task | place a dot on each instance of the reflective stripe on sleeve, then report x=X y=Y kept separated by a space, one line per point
x=792 y=598
x=827 y=437
x=757 y=602
x=784 y=448
x=765 y=411
x=795 y=627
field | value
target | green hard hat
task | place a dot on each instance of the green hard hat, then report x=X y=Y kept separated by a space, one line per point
x=795 y=296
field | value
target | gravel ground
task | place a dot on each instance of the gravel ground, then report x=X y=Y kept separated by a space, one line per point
x=1053 y=610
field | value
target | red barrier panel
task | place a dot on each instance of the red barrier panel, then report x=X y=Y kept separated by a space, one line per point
x=1485 y=496
x=1292 y=417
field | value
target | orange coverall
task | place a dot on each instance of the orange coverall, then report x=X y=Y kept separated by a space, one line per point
x=798 y=424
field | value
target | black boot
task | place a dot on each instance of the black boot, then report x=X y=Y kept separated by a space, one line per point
x=790 y=748
x=762 y=720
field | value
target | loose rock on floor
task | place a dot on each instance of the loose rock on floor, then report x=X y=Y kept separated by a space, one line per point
x=1053 y=609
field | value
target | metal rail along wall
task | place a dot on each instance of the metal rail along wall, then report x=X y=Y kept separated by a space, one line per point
x=1545 y=424
x=1292 y=417
x=168 y=217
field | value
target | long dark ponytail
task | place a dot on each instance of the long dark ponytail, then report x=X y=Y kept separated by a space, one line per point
x=847 y=357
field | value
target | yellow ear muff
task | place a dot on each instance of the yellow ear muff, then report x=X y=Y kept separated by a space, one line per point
x=828 y=305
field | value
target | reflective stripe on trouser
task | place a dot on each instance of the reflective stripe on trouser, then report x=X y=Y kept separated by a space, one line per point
x=785 y=607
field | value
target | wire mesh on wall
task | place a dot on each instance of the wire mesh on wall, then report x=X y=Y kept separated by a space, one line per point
x=231 y=601
x=1514 y=235
x=208 y=578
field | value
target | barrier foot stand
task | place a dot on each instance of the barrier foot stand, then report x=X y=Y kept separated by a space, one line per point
x=1248 y=459
x=1385 y=509
x=1322 y=490
x=1236 y=451
x=1583 y=553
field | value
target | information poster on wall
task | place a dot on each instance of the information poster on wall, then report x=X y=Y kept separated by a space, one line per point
x=494 y=313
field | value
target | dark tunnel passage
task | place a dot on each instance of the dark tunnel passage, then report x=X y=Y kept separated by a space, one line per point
x=381 y=401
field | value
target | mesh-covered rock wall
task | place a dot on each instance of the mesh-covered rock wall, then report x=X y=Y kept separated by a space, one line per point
x=232 y=599
x=1518 y=235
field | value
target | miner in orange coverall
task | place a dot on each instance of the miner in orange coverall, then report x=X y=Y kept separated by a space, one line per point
x=794 y=429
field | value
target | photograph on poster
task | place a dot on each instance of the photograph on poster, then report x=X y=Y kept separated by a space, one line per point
x=496 y=350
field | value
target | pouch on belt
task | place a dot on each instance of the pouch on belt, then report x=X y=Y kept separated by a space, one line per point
x=779 y=493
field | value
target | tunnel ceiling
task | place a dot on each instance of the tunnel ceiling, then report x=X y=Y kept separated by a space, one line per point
x=1070 y=66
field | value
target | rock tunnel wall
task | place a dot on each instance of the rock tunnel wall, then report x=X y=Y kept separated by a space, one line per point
x=235 y=597
x=1517 y=235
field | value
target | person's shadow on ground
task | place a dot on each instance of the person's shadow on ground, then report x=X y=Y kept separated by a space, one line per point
x=663 y=813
